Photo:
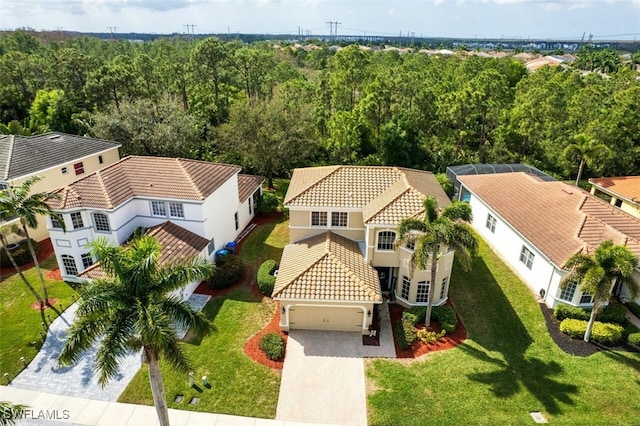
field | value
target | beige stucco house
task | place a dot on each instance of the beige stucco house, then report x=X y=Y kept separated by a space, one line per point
x=343 y=259
x=622 y=192
x=58 y=158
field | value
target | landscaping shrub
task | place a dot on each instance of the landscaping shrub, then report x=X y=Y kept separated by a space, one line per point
x=428 y=336
x=447 y=318
x=562 y=312
x=228 y=271
x=267 y=203
x=405 y=333
x=629 y=328
x=21 y=254
x=614 y=312
x=634 y=307
x=634 y=338
x=415 y=314
x=265 y=279
x=272 y=345
x=605 y=333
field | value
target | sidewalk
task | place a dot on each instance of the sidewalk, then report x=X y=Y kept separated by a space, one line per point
x=48 y=409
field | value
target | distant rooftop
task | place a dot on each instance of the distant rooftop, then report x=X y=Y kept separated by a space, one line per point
x=484 y=169
x=627 y=187
x=26 y=155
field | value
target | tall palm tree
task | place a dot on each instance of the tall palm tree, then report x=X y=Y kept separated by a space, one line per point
x=449 y=228
x=133 y=309
x=7 y=229
x=596 y=274
x=587 y=150
x=16 y=201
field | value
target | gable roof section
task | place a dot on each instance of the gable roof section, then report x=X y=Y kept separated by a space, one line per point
x=385 y=194
x=177 y=244
x=26 y=155
x=627 y=187
x=326 y=267
x=247 y=185
x=161 y=177
x=560 y=220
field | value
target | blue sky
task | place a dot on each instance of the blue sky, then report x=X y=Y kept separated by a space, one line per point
x=435 y=18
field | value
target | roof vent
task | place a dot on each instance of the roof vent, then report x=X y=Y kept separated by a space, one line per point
x=52 y=137
x=567 y=190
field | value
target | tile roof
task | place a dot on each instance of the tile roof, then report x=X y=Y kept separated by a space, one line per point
x=326 y=267
x=559 y=219
x=247 y=185
x=26 y=155
x=172 y=178
x=627 y=187
x=177 y=244
x=383 y=193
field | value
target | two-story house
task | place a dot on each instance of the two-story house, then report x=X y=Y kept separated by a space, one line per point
x=58 y=158
x=343 y=256
x=536 y=225
x=211 y=202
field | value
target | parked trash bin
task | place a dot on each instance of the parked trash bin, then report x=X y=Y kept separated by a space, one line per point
x=221 y=253
x=231 y=246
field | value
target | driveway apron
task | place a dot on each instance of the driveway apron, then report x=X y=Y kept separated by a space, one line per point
x=323 y=379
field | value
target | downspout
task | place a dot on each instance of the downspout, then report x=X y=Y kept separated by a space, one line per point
x=546 y=292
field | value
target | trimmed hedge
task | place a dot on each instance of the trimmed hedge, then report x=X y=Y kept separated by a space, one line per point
x=228 y=271
x=428 y=336
x=21 y=254
x=634 y=338
x=447 y=318
x=614 y=312
x=634 y=307
x=605 y=333
x=265 y=279
x=405 y=333
x=415 y=314
x=272 y=345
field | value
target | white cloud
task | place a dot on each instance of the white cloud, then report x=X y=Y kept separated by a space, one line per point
x=391 y=11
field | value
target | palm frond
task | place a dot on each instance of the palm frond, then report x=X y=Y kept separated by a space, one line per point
x=185 y=317
x=431 y=209
x=113 y=347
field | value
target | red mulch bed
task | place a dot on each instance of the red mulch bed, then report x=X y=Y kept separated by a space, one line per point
x=46 y=250
x=54 y=274
x=252 y=349
x=51 y=302
x=419 y=348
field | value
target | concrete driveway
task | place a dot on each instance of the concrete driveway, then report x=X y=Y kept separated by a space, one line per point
x=323 y=379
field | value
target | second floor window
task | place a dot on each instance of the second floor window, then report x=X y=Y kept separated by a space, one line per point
x=55 y=222
x=339 y=219
x=158 y=208
x=76 y=220
x=101 y=222
x=176 y=210
x=237 y=222
x=318 y=218
x=386 y=240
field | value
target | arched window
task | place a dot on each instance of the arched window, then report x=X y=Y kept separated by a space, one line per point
x=69 y=264
x=101 y=221
x=386 y=240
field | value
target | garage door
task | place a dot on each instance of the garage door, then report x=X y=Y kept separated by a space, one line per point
x=325 y=318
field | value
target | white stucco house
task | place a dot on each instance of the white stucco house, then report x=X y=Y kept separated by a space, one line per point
x=536 y=225
x=190 y=206
x=342 y=258
x=621 y=191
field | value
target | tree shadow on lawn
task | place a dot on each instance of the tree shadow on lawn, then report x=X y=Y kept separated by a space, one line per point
x=627 y=360
x=493 y=324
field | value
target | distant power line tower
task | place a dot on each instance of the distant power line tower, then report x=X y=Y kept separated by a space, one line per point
x=191 y=30
x=333 y=28
x=113 y=31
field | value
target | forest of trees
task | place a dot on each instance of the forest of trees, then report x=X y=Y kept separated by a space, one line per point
x=273 y=108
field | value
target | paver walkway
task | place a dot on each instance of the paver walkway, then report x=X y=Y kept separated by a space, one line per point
x=323 y=375
x=78 y=380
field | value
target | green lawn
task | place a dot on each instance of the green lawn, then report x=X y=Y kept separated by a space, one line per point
x=19 y=323
x=508 y=367
x=239 y=385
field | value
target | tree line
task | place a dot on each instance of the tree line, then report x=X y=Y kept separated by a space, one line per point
x=274 y=107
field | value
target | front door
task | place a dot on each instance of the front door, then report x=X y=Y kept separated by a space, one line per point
x=384 y=275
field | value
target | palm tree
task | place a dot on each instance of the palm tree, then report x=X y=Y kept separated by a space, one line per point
x=596 y=274
x=9 y=412
x=133 y=309
x=9 y=229
x=587 y=150
x=16 y=201
x=438 y=230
